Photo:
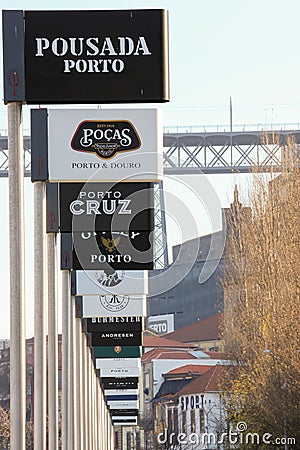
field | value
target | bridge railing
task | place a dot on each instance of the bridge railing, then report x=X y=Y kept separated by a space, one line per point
x=188 y=151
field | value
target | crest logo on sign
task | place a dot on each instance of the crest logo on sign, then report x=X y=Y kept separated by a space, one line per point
x=109 y=278
x=105 y=138
x=114 y=302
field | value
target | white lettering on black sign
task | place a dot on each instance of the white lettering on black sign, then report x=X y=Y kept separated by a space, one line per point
x=93 y=46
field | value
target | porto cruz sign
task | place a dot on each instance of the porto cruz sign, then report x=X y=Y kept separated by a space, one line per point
x=103 y=144
x=100 y=56
x=106 y=206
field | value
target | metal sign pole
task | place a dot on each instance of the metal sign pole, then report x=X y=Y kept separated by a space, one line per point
x=66 y=305
x=72 y=377
x=17 y=299
x=78 y=391
x=84 y=389
x=39 y=316
x=52 y=344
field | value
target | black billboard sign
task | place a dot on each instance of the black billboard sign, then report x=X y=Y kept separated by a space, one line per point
x=106 y=206
x=120 y=383
x=118 y=251
x=124 y=412
x=101 y=56
x=116 y=337
x=110 y=324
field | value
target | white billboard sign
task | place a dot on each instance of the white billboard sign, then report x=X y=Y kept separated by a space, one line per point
x=121 y=372
x=161 y=324
x=111 y=305
x=116 y=363
x=121 y=391
x=105 y=144
x=101 y=282
x=129 y=404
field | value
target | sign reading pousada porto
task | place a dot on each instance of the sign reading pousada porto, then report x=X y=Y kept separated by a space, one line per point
x=100 y=56
x=104 y=144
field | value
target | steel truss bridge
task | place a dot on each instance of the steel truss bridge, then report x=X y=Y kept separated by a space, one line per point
x=209 y=153
x=196 y=153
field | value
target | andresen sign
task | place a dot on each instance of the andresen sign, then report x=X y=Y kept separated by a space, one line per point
x=116 y=56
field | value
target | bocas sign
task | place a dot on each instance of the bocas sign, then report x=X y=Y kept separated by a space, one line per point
x=105 y=138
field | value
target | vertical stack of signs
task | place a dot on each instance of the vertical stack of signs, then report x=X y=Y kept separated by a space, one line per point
x=104 y=163
x=106 y=234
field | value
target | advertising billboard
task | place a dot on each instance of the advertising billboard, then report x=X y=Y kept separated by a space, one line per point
x=104 y=145
x=116 y=338
x=121 y=372
x=113 y=207
x=115 y=282
x=100 y=56
x=117 y=363
x=110 y=305
x=132 y=351
x=161 y=324
x=103 y=250
x=101 y=324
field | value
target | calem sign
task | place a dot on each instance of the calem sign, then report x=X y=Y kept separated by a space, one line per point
x=102 y=56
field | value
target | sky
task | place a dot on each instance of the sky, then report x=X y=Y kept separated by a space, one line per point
x=244 y=50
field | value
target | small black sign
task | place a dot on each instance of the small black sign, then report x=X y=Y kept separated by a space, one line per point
x=110 y=324
x=118 y=56
x=106 y=206
x=124 y=412
x=116 y=337
x=119 y=251
x=105 y=138
x=120 y=383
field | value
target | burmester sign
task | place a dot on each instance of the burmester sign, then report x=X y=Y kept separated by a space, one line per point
x=116 y=56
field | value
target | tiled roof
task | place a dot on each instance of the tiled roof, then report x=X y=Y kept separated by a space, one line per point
x=164 y=353
x=189 y=369
x=210 y=381
x=157 y=341
x=204 y=330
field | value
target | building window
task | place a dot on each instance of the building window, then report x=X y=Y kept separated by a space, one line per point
x=193 y=421
x=175 y=420
x=170 y=419
x=214 y=349
x=183 y=422
x=201 y=420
